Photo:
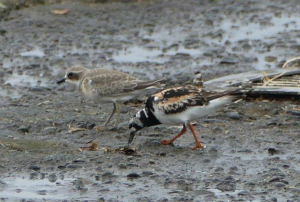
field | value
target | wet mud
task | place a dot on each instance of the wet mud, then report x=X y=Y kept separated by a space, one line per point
x=252 y=147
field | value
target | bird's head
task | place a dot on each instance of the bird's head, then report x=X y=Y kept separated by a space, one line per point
x=74 y=75
x=137 y=122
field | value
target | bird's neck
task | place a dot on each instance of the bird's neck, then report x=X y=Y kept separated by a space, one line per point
x=149 y=119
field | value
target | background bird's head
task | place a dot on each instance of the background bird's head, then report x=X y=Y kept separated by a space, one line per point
x=74 y=75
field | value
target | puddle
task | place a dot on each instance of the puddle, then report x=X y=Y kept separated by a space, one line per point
x=9 y=93
x=219 y=193
x=239 y=30
x=26 y=81
x=24 y=188
x=36 y=52
x=233 y=31
x=17 y=188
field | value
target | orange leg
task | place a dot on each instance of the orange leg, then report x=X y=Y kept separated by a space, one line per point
x=198 y=144
x=168 y=142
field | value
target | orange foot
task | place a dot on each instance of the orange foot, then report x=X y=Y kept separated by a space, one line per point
x=166 y=142
x=197 y=146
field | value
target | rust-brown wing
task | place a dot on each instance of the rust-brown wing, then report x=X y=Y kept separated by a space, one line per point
x=176 y=100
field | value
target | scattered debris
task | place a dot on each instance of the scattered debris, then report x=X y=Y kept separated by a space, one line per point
x=59 y=11
x=5 y=120
x=266 y=80
x=123 y=150
x=75 y=129
x=287 y=63
x=91 y=146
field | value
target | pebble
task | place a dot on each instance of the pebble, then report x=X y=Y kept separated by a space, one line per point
x=79 y=185
x=34 y=175
x=122 y=166
x=133 y=175
x=24 y=129
x=234 y=115
x=52 y=177
x=74 y=166
x=285 y=166
x=279 y=184
x=243 y=193
x=107 y=174
x=270 y=59
x=227 y=185
x=34 y=167
x=273 y=199
x=147 y=173
x=79 y=161
x=272 y=151
x=228 y=61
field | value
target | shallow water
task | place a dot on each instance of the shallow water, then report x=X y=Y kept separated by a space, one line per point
x=166 y=42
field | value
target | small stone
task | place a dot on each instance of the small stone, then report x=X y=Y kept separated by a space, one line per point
x=147 y=173
x=61 y=167
x=272 y=151
x=285 y=166
x=279 y=184
x=275 y=179
x=34 y=175
x=79 y=185
x=228 y=184
x=133 y=175
x=74 y=166
x=24 y=129
x=122 y=166
x=151 y=162
x=270 y=59
x=52 y=177
x=35 y=168
x=234 y=115
x=41 y=192
x=273 y=199
x=233 y=168
x=243 y=193
x=228 y=61
x=107 y=174
x=79 y=161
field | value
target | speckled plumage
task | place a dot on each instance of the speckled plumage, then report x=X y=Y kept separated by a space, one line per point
x=180 y=105
x=104 y=86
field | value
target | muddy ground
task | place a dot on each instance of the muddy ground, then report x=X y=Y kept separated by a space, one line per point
x=252 y=147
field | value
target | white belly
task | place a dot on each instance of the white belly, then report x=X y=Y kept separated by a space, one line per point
x=192 y=113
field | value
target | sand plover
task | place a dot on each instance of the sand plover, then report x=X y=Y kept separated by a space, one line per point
x=105 y=86
x=180 y=105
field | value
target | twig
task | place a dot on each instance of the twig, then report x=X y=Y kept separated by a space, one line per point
x=289 y=61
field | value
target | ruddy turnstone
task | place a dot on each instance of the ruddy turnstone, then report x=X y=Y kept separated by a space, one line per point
x=180 y=105
x=105 y=86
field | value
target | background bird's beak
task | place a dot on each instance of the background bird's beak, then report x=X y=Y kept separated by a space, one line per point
x=61 y=81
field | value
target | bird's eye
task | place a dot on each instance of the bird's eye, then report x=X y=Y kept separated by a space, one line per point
x=70 y=75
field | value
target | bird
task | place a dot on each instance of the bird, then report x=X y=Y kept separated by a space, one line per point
x=180 y=106
x=108 y=86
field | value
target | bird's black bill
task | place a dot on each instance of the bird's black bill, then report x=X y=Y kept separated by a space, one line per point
x=131 y=136
x=61 y=81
